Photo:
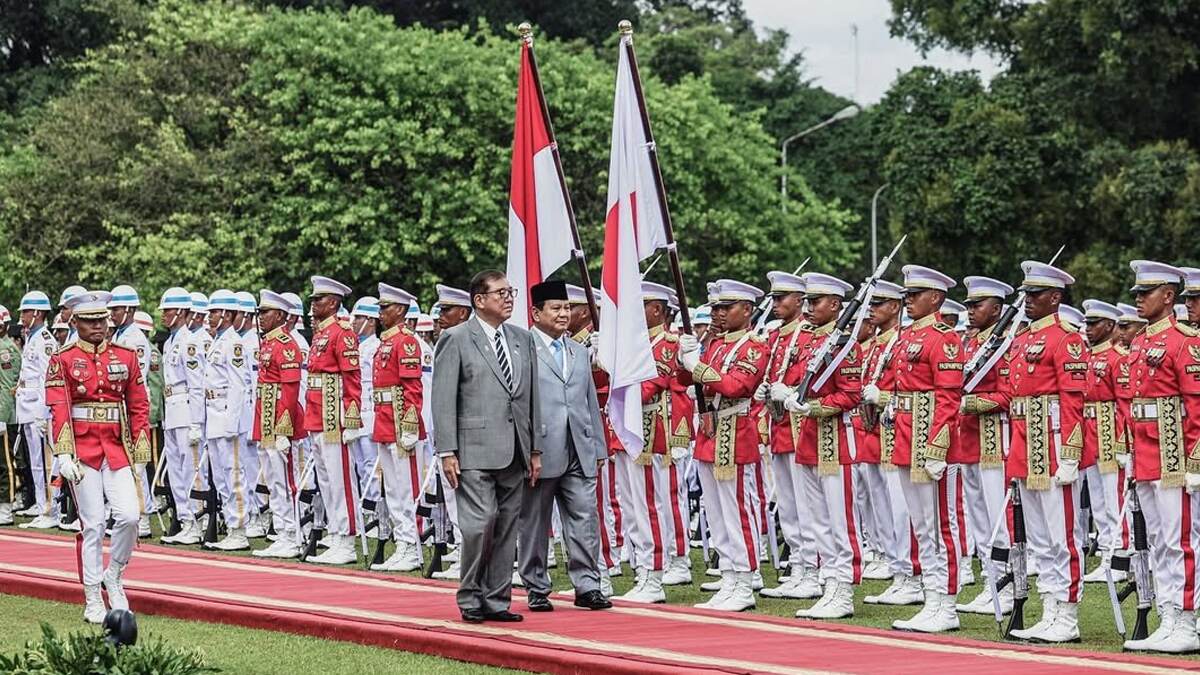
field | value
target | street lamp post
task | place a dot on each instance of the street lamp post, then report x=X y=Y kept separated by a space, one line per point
x=874 y=226
x=843 y=114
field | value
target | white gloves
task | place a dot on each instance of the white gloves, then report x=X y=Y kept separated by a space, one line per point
x=781 y=392
x=349 y=435
x=408 y=441
x=679 y=454
x=282 y=443
x=1125 y=460
x=1067 y=473
x=43 y=427
x=688 y=343
x=689 y=352
x=870 y=393
x=594 y=351
x=594 y=341
x=194 y=434
x=760 y=394
x=936 y=468
x=1193 y=482
x=69 y=469
x=793 y=404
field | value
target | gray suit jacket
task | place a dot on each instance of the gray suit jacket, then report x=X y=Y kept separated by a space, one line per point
x=568 y=400
x=474 y=413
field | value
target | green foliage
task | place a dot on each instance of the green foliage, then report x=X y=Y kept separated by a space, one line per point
x=88 y=653
x=229 y=146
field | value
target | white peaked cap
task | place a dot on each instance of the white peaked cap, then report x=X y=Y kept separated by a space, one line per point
x=919 y=278
x=1096 y=310
x=980 y=288
x=394 y=295
x=785 y=282
x=327 y=286
x=729 y=290
x=886 y=290
x=449 y=296
x=1039 y=276
x=817 y=284
x=1149 y=274
x=1071 y=315
x=1129 y=313
x=268 y=299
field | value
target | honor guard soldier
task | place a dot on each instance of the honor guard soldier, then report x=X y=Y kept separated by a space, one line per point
x=364 y=318
x=10 y=368
x=99 y=432
x=68 y=293
x=795 y=519
x=123 y=307
x=175 y=308
x=1104 y=451
x=679 y=448
x=31 y=413
x=225 y=396
x=1165 y=418
x=728 y=439
x=882 y=480
x=1047 y=366
x=924 y=408
x=333 y=414
x=825 y=445
x=246 y=325
x=278 y=419
x=982 y=428
x=398 y=427
x=455 y=309
x=1191 y=294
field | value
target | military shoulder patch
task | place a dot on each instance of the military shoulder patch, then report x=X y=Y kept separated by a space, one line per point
x=943 y=327
x=671 y=337
x=1066 y=326
x=344 y=324
x=760 y=339
x=1187 y=330
x=284 y=339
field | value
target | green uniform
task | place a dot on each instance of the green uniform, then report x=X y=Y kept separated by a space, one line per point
x=154 y=381
x=10 y=369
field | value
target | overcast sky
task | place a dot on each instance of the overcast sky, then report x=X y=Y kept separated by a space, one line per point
x=820 y=29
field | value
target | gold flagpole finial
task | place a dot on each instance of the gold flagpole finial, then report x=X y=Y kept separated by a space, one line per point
x=526 y=31
x=625 y=27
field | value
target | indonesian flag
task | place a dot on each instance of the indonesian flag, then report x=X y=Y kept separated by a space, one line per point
x=633 y=229
x=539 y=229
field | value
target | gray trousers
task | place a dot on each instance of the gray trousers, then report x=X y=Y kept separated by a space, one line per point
x=575 y=494
x=488 y=505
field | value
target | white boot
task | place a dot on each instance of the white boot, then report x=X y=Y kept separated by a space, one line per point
x=966 y=577
x=756 y=580
x=255 y=529
x=650 y=591
x=112 y=584
x=1182 y=639
x=6 y=514
x=982 y=604
x=235 y=540
x=724 y=588
x=716 y=585
x=876 y=570
x=740 y=597
x=1065 y=626
x=678 y=572
x=41 y=522
x=818 y=607
x=1167 y=616
x=639 y=578
x=453 y=572
x=1049 y=605
x=405 y=559
x=933 y=605
x=802 y=584
x=144 y=526
x=93 y=608
x=1097 y=575
x=838 y=605
x=72 y=526
x=283 y=547
x=517 y=581
x=189 y=534
x=340 y=552
x=606 y=588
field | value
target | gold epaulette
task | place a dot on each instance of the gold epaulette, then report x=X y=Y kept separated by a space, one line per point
x=1187 y=330
x=116 y=347
x=284 y=338
x=670 y=337
x=1123 y=351
x=760 y=339
x=943 y=327
x=344 y=324
x=1067 y=326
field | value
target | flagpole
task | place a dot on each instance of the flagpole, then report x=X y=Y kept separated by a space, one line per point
x=625 y=27
x=526 y=31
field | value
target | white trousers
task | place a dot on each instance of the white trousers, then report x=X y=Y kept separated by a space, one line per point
x=795 y=514
x=253 y=472
x=932 y=508
x=365 y=451
x=229 y=473
x=117 y=488
x=831 y=504
x=1173 y=525
x=732 y=524
x=1103 y=491
x=334 y=478
x=875 y=507
x=608 y=516
x=401 y=489
x=43 y=465
x=181 y=459
x=676 y=502
x=644 y=490
x=278 y=470
x=905 y=558
x=1052 y=521
x=984 y=491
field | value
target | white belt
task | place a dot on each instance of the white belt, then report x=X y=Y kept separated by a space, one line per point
x=384 y=396
x=96 y=414
x=316 y=380
x=1144 y=411
x=740 y=408
x=212 y=394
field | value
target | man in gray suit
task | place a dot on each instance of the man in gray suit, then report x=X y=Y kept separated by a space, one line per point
x=571 y=439
x=485 y=415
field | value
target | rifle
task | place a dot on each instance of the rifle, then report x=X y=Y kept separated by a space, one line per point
x=1018 y=574
x=997 y=343
x=211 y=506
x=439 y=530
x=1139 y=566
x=157 y=489
x=759 y=317
x=823 y=362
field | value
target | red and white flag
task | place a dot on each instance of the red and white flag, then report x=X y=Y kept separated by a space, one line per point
x=539 y=227
x=633 y=229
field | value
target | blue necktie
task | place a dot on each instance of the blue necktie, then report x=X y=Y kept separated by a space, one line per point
x=558 y=354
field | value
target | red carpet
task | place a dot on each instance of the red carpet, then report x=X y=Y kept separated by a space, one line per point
x=420 y=616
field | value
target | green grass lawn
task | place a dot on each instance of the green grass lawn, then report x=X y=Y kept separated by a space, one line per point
x=1095 y=616
x=232 y=649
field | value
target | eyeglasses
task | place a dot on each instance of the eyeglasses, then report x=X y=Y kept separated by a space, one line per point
x=504 y=293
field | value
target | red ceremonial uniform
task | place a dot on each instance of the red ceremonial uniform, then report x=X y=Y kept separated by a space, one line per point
x=1102 y=416
x=1047 y=378
x=682 y=408
x=878 y=365
x=927 y=363
x=1165 y=409
x=730 y=371
x=277 y=407
x=785 y=345
x=333 y=401
x=866 y=440
x=980 y=426
x=98 y=405
x=656 y=392
x=823 y=438
x=397 y=386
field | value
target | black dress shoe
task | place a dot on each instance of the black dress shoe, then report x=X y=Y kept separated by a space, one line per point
x=504 y=616
x=472 y=616
x=540 y=603
x=592 y=600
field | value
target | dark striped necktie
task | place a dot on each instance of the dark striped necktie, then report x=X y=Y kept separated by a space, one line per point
x=502 y=357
